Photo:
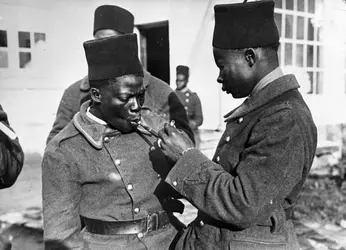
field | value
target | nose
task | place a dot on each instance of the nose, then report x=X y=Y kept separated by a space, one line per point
x=136 y=105
x=219 y=79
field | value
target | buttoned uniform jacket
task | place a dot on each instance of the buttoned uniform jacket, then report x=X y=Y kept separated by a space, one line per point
x=160 y=99
x=193 y=107
x=255 y=176
x=92 y=171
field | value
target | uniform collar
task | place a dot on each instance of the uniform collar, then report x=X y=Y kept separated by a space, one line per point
x=258 y=99
x=94 y=118
x=184 y=90
x=272 y=76
x=94 y=130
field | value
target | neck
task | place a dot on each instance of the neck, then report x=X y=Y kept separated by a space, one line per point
x=264 y=70
x=184 y=89
x=93 y=110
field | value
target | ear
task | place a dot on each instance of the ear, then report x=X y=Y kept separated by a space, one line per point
x=250 y=56
x=95 y=95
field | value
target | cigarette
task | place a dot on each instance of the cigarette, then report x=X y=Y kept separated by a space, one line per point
x=149 y=129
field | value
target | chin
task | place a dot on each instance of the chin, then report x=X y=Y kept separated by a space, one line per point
x=124 y=127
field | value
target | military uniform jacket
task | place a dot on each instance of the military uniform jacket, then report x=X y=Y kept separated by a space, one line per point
x=257 y=172
x=92 y=171
x=11 y=155
x=192 y=106
x=160 y=99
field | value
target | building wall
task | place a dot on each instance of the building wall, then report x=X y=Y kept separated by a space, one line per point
x=31 y=95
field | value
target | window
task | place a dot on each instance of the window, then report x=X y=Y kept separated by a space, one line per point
x=3 y=49
x=301 y=45
x=26 y=42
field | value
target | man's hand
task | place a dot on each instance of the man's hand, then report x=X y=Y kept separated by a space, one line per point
x=174 y=142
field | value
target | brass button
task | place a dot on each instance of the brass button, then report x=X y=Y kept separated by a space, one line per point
x=218 y=159
x=201 y=223
x=152 y=148
x=240 y=120
x=117 y=162
x=175 y=183
x=187 y=94
x=186 y=107
x=140 y=235
x=228 y=138
x=106 y=139
x=136 y=210
x=186 y=100
x=158 y=176
x=271 y=202
x=130 y=187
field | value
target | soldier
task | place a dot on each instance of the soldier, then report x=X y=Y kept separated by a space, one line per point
x=100 y=190
x=160 y=99
x=190 y=100
x=246 y=193
x=11 y=162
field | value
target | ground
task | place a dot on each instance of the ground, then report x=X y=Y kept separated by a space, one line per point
x=320 y=211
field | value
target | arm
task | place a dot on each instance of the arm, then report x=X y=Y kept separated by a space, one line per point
x=178 y=114
x=197 y=119
x=61 y=192
x=270 y=166
x=11 y=154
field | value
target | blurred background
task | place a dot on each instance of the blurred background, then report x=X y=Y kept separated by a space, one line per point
x=41 y=54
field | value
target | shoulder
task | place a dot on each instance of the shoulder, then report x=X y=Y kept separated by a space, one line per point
x=156 y=85
x=64 y=137
x=75 y=88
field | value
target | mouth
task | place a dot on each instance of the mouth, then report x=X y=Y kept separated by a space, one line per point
x=135 y=121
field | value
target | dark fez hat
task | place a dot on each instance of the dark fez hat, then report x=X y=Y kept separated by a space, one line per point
x=112 y=57
x=245 y=25
x=114 y=18
x=183 y=70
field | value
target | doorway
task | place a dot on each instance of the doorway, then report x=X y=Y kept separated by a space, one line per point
x=154 y=49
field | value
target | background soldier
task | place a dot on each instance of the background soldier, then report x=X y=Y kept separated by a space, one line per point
x=246 y=193
x=160 y=99
x=100 y=190
x=190 y=101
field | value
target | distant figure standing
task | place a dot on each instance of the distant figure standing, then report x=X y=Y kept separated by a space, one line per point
x=190 y=100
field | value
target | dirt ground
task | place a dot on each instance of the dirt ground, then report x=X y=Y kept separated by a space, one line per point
x=320 y=210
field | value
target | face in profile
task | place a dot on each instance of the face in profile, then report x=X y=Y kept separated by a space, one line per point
x=181 y=81
x=235 y=74
x=121 y=102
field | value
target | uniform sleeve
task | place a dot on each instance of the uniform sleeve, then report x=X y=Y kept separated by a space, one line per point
x=269 y=167
x=178 y=114
x=197 y=118
x=64 y=114
x=11 y=156
x=61 y=193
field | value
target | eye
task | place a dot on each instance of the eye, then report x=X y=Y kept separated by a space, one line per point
x=141 y=98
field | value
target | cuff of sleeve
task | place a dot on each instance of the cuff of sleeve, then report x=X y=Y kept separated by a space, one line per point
x=184 y=167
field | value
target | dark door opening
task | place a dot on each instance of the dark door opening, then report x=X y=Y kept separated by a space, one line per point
x=154 y=45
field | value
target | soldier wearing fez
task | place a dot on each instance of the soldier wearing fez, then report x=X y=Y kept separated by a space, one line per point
x=190 y=101
x=100 y=188
x=160 y=99
x=246 y=193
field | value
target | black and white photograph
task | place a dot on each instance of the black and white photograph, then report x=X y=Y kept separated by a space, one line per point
x=172 y=124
